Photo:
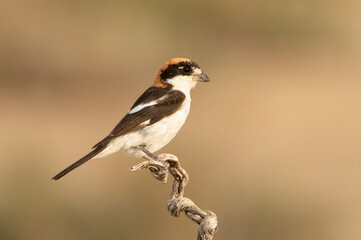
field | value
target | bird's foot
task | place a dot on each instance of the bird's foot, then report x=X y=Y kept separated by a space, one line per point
x=158 y=165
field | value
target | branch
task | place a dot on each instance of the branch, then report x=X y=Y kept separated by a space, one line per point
x=168 y=163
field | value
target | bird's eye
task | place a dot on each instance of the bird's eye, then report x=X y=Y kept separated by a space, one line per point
x=186 y=69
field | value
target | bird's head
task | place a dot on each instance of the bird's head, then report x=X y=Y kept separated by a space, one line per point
x=180 y=74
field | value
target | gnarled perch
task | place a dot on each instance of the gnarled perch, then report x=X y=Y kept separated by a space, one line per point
x=168 y=163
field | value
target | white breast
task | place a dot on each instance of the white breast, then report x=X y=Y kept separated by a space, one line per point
x=161 y=133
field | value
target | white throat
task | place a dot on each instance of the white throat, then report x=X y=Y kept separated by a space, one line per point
x=183 y=83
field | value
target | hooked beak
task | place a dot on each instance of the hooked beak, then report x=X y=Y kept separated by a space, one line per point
x=203 y=78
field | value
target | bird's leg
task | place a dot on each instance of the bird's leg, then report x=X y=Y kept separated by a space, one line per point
x=149 y=154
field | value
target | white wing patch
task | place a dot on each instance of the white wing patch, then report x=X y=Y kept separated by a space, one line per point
x=142 y=106
x=145 y=123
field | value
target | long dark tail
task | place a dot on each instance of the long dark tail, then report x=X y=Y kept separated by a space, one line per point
x=81 y=161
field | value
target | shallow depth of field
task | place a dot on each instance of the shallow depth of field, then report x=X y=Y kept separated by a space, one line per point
x=272 y=145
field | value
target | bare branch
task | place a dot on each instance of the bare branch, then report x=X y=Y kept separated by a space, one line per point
x=177 y=204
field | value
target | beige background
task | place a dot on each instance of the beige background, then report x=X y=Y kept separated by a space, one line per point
x=272 y=144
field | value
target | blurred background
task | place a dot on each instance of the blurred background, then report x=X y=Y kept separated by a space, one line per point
x=272 y=144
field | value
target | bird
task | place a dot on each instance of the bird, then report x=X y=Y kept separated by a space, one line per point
x=156 y=116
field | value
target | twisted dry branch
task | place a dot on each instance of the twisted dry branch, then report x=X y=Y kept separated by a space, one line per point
x=160 y=168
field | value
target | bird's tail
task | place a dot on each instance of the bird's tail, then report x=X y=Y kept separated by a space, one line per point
x=81 y=161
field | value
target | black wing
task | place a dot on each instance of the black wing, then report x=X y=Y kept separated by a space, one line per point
x=170 y=103
x=151 y=94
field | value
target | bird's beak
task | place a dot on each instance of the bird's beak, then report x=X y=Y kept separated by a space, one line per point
x=203 y=78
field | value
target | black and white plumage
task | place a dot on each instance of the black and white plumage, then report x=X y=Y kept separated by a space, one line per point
x=155 y=118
